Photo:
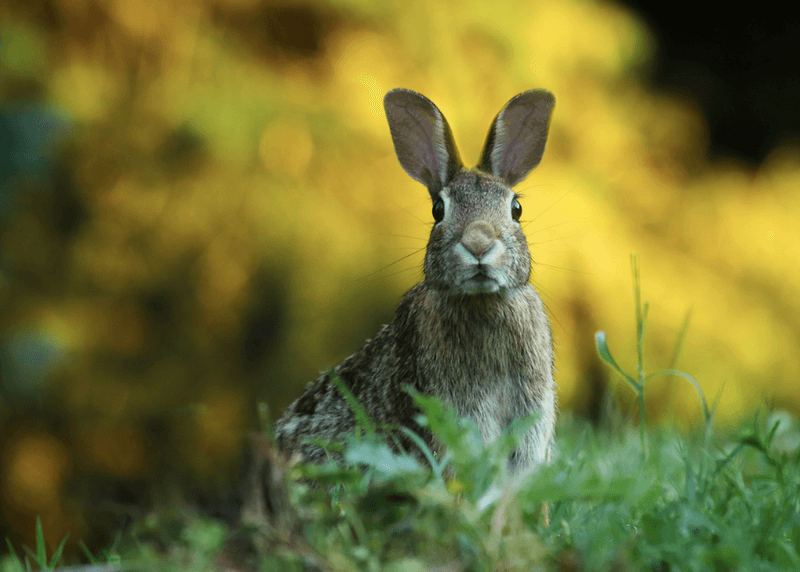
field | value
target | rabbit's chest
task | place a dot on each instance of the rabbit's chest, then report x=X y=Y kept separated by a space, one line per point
x=495 y=408
x=492 y=402
x=492 y=364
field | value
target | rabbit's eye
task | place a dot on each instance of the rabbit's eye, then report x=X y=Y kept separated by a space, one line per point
x=516 y=209
x=438 y=210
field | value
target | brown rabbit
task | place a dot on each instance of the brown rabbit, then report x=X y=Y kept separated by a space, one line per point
x=473 y=333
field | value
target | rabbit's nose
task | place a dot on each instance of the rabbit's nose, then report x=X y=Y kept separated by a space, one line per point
x=478 y=238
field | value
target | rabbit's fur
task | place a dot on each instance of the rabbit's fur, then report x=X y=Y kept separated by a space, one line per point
x=473 y=332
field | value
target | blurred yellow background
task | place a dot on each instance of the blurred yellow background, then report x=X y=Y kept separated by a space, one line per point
x=201 y=207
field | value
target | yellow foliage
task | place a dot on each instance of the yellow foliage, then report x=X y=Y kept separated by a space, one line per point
x=247 y=225
x=34 y=467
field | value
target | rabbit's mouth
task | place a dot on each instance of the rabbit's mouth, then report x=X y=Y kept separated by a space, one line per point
x=480 y=283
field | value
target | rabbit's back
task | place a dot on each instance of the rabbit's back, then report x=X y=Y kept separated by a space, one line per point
x=375 y=375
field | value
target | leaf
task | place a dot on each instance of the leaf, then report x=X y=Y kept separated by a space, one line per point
x=362 y=418
x=693 y=381
x=721 y=463
x=438 y=468
x=680 y=340
x=510 y=438
x=771 y=434
x=89 y=556
x=32 y=554
x=41 y=549
x=57 y=554
x=439 y=418
x=605 y=355
x=374 y=453
x=13 y=554
x=641 y=314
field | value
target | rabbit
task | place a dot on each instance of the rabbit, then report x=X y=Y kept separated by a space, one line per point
x=473 y=333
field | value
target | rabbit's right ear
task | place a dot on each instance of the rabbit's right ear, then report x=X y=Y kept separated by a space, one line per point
x=516 y=139
x=422 y=139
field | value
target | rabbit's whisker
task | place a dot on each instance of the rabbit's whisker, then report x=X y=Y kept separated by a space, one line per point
x=380 y=270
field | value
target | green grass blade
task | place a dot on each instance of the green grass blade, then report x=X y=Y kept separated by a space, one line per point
x=693 y=381
x=14 y=556
x=641 y=328
x=771 y=434
x=677 y=349
x=680 y=340
x=57 y=554
x=33 y=555
x=41 y=549
x=89 y=556
x=605 y=355
x=423 y=446
x=728 y=457
x=641 y=315
x=362 y=418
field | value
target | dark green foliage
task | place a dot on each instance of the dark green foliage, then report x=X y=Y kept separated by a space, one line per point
x=693 y=504
x=649 y=500
x=39 y=556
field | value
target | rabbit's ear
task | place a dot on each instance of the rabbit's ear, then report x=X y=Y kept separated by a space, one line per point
x=422 y=139
x=515 y=143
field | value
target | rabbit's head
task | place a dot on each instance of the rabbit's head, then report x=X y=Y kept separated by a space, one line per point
x=476 y=245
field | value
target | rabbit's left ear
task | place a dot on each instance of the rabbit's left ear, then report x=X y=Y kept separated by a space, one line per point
x=516 y=140
x=422 y=139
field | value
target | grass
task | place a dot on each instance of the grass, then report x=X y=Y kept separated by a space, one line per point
x=691 y=504
x=39 y=556
x=638 y=381
x=626 y=499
